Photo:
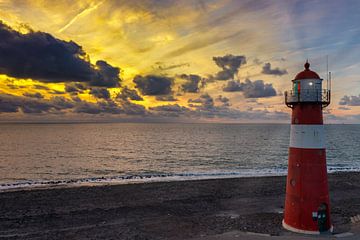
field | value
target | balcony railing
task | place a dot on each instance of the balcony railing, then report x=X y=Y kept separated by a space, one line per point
x=307 y=96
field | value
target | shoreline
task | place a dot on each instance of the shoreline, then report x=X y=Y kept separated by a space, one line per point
x=164 y=210
x=140 y=179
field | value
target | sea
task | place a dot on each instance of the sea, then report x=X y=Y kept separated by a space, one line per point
x=33 y=155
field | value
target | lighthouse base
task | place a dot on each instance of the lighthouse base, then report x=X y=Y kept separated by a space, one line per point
x=296 y=230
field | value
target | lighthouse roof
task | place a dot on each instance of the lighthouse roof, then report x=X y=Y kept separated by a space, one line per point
x=307 y=73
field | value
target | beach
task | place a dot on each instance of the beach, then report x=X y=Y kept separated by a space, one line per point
x=197 y=209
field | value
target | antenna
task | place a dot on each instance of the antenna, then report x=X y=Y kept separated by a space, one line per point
x=329 y=80
x=327 y=71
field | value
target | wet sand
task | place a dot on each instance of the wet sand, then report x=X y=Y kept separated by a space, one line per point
x=164 y=210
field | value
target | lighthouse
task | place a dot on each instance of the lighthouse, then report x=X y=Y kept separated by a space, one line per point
x=307 y=207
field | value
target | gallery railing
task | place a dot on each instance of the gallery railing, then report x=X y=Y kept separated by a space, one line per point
x=307 y=96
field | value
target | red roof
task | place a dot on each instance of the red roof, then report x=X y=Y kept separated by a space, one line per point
x=307 y=73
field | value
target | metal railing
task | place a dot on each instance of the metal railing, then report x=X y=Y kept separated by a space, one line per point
x=307 y=96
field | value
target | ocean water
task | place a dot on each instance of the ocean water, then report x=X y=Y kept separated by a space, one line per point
x=56 y=154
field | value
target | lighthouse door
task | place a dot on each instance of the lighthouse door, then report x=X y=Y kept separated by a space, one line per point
x=322 y=217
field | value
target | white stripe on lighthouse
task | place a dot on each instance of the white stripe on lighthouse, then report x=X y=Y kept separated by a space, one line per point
x=307 y=136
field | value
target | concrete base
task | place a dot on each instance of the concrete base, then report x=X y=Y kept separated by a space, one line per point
x=292 y=229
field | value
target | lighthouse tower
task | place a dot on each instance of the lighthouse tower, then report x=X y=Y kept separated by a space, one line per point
x=307 y=208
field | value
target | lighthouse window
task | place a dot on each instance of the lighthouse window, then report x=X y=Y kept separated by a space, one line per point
x=292 y=182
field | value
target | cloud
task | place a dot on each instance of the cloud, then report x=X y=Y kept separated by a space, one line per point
x=33 y=95
x=60 y=103
x=12 y=86
x=106 y=75
x=127 y=93
x=130 y=108
x=100 y=93
x=153 y=85
x=56 y=105
x=75 y=88
x=276 y=71
x=251 y=89
x=224 y=100
x=205 y=101
x=40 y=56
x=98 y=108
x=162 y=67
x=166 y=98
x=202 y=43
x=233 y=86
x=40 y=87
x=230 y=65
x=204 y=108
x=257 y=61
x=173 y=110
x=350 y=100
x=53 y=91
x=83 y=13
x=10 y=103
x=344 y=108
x=192 y=83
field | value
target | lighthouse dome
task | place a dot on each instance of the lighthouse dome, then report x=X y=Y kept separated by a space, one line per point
x=307 y=73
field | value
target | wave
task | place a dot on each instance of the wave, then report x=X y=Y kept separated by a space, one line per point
x=159 y=177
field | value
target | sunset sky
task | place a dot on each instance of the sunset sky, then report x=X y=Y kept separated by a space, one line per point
x=218 y=61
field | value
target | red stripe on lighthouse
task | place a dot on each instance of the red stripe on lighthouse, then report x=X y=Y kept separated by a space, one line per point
x=307 y=114
x=306 y=188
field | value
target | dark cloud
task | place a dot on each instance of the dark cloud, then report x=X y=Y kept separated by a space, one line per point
x=11 y=103
x=344 y=108
x=130 y=108
x=75 y=98
x=153 y=85
x=127 y=93
x=174 y=110
x=224 y=100
x=192 y=83
x=230 y=65
x=204 y=107
x=56 y=105
x=98 y=108
x=41 y=56
x=166 y=98
x=33 y=95
x=251 y=89
x=276 y=71
x=205 y=101
x=233 y=86
x=60 y=103
x=106 y=75
x=100 y=93
x=8 y=104
x=350 y=100
x=75 y=88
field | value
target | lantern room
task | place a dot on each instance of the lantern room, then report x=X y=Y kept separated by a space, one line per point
x=307 y=87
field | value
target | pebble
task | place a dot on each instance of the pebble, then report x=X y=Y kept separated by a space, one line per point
x=346 y=234
x=355 y=219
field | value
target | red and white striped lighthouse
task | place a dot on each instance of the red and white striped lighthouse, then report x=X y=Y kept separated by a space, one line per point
x=307 y=208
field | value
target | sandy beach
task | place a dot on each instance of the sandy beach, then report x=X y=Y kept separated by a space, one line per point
x=202 y=209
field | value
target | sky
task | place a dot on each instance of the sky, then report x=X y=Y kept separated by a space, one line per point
x=166 y=60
